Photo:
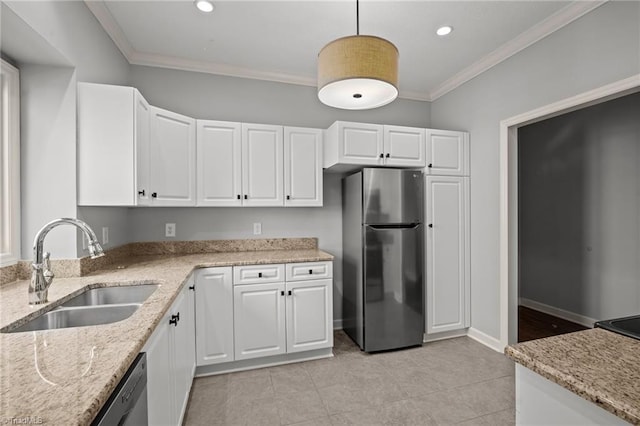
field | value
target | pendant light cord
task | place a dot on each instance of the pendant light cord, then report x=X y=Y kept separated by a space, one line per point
x=357 y=17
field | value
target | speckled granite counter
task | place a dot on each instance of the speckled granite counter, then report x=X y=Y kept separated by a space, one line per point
x=64 y=376
x=600 y=366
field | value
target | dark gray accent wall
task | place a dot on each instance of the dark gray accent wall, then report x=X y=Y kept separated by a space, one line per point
x=579 y=210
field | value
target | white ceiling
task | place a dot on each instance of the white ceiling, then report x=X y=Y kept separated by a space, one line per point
x=280 y=40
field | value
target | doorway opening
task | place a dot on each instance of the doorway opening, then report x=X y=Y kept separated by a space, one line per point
x=535 y=254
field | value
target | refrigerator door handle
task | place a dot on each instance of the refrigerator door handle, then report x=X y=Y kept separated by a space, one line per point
x=403 y=226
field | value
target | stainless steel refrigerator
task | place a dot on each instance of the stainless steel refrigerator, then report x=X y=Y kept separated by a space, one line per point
x=383 y=285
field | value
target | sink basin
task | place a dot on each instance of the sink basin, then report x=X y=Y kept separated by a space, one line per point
x=113 y=295
x=78 y=317
x=628 y=326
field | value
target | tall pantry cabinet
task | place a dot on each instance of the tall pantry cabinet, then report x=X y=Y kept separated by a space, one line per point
x=447 y=232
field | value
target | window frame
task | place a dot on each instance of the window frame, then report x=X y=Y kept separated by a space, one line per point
x=9 y=164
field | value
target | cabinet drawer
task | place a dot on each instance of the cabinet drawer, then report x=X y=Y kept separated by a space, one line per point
x=256 y=274
x=309 y=271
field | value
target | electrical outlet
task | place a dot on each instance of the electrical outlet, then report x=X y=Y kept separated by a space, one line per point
x=105 y=235
x=170 y=230
x=257 y=228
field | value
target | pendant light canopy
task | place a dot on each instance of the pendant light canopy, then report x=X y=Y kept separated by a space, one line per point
x=358 y=72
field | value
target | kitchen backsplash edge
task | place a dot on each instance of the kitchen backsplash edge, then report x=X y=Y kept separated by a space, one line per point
x=65 y=268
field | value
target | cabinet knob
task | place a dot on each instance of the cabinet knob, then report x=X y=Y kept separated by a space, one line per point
x=259 y=274
x=245 y=196
x=310 y=271
x=431 y=225
x=288 y=197
x=381 y=155
x=238 y=196
x=282 y=293
x=193 y=287
x=154 y=195
x=388 y=155
x=430 y=165
x=289 y=293
x=174 y=319
x=141 y=192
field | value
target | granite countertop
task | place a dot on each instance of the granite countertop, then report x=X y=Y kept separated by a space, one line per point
x=65 y=376
x=598 y=365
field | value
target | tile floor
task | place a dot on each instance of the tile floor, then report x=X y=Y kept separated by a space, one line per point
x=457 y=381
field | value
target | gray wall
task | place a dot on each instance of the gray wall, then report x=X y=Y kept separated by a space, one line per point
x=599 y=48
x=226 y=98
x=48 y=106
x=579 y=210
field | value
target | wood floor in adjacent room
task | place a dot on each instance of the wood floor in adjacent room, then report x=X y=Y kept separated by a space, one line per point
x=534 y=324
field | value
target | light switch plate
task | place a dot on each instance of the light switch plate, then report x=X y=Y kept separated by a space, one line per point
x=257 y=228
x=170 y=230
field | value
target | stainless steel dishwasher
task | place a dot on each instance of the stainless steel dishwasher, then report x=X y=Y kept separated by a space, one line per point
x=127 y=405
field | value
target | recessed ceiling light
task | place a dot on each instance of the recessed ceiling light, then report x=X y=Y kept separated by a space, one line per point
x=443 y=31
x=204 y=5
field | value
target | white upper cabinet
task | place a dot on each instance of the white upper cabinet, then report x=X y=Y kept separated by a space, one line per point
x=219 y=168
x=353 y=143
x=404 y=146
x=113 y=143
x=302 y=167
x=447 y=153
x=348 y=145
x=262 y=165
x=173 y=159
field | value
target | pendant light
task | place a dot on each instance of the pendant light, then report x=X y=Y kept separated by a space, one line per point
x=358 y=72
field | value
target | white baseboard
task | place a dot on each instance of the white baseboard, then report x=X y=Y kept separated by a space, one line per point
x=557 y=312
x=337 y=324
x=485 y=339
x=443 y=335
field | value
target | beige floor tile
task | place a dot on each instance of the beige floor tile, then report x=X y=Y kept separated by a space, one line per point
x=300 y=406
x=342 y=398
x=291 y=378
x=447 y=382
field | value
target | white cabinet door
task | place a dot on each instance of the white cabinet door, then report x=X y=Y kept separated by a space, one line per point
x=262 y=165
x=173 y=159
x=160 y=393
x=142 y=119
x=214 y=315
x=259 y=320
x=219 y=168
x=404 y=146
x=309 y=315
x=302 y=167
x=447 y=153
x=447 y=253
x=112 y=145
x=183 y=346
x=360 y=143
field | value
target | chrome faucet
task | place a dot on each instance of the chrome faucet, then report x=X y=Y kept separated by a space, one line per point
x=41 y=274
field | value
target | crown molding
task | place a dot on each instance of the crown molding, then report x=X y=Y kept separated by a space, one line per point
x=536 y=33
x=108 y=22
x=551 y=24
x=164 y=61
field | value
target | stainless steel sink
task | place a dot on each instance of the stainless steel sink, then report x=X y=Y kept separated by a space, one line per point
x=113 y=295
x=78 y=317
x=97 y=306
x=628 y=326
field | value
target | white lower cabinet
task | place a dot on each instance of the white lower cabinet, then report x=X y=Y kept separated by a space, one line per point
x=255 y=311
x=259 y=320
x=171 y=361
x=214 y=315
x=309 y=316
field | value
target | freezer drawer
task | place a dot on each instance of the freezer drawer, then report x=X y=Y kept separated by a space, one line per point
x=393 y=287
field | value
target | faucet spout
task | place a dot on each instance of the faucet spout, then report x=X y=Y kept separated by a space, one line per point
x=41 y=274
